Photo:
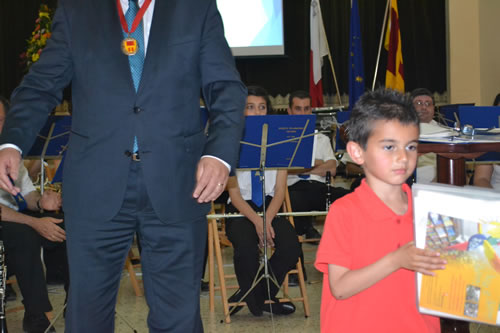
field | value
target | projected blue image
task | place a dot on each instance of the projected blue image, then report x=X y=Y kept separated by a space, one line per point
x=253 y=27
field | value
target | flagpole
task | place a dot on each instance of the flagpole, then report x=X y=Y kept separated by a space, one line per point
x=380 y=44
x=331 y=64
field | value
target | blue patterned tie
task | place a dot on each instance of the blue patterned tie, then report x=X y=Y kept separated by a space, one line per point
x=256 y=189
x=136 y=61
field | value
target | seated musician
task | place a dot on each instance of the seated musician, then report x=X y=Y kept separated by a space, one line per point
x=423 y=101
x=246 y=233
x=308 y=190
x=488 y=175
x=23 y=235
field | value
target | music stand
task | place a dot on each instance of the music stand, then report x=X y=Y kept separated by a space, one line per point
x=274 y=142
x=51 y=142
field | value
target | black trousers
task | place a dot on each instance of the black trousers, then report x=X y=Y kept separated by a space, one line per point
x=242 y=234
x=22 y=251
x=308 y=195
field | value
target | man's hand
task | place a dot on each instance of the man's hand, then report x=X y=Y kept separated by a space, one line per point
x=50 y=200
x=47 y=227
x=10 y=160
x=211 y=179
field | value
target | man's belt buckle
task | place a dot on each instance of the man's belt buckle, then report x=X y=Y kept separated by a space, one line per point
x=135 y=157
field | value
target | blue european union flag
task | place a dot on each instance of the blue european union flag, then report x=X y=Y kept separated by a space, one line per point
x=356 y=68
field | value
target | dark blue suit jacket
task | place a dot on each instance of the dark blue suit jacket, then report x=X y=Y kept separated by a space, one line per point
x=186 y=54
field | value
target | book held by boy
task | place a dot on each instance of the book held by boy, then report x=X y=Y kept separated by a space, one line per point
x=463 y=224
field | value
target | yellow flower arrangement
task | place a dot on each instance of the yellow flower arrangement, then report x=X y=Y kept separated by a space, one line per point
x=38 y=38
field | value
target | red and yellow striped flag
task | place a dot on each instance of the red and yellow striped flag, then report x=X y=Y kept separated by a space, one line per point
x=394 y=75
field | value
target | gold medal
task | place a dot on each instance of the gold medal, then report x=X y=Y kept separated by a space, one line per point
x=130 y=46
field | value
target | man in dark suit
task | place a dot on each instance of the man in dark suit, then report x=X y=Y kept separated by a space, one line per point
x=112 y=189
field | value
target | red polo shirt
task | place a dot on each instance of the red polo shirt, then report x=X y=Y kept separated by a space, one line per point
x=359 y=230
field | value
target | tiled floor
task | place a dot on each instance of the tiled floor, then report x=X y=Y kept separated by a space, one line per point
x=132 y=310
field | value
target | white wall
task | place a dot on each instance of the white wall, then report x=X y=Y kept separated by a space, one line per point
x=473 y=31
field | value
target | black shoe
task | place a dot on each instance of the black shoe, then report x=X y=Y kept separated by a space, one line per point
x=10 y=294
x=312 y=233
x=36 y=323
x=254 y=307
x=204 y=286
x=293 y=280
x=277 y=308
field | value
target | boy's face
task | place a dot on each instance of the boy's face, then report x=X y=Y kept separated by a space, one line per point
x=390 y=155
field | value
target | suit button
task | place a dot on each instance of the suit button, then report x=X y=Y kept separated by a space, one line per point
x=138 y=109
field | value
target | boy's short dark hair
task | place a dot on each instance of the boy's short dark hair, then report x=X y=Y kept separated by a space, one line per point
x=422 y=92
x=300 y=94
x=380 y=104
x=5 y=102
x=261 y=92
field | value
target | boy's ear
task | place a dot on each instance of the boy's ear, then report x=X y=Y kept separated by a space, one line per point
x=356 y=152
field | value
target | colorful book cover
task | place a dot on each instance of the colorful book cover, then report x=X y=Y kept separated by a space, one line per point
x=463 y=224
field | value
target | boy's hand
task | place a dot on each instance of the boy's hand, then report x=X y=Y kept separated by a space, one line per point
x=423 y=261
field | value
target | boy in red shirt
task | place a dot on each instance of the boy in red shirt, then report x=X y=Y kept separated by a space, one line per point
x=367 y=253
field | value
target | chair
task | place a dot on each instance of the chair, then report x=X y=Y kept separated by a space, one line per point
x=221 y=208
x=215 y=248
x=133 y=278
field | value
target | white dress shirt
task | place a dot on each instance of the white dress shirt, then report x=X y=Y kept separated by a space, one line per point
x=245 y=183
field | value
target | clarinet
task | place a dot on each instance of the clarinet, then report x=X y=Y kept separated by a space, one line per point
x=328 y=190
x=3 y=276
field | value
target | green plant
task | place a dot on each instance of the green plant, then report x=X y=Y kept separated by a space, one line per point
x=38 y=38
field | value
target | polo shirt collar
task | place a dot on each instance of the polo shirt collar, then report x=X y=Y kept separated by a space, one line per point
x=378 y=209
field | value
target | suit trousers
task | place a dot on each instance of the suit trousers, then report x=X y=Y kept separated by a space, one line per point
x=242 y=234
x=171 y=260
x=309 y=195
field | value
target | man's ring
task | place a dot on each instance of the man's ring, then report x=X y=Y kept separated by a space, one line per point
x=220 y=184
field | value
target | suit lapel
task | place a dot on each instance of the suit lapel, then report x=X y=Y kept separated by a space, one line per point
x=161 y=19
